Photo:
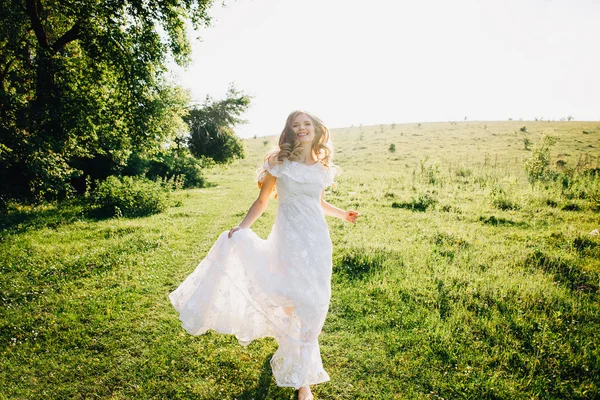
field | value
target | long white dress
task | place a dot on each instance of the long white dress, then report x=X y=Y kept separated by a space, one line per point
x=243 y=283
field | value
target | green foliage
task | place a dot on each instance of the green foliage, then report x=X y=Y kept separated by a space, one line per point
x=131 y=196
x=538 y=165
x=580 y=183
x=82 y=85
x=211 y=128
x=392 y=148
x=523 y=129
x=168 y=164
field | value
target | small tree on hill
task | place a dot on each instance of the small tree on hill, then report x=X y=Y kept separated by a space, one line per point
x=211 y=128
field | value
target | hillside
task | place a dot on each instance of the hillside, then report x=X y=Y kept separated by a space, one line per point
x=460 y=280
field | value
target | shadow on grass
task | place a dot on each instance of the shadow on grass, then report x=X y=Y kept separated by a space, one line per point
x=266 y=387
x=51 y=216
x=22 y=218
x=501 y=221
x=362 y=263
x=565 y=271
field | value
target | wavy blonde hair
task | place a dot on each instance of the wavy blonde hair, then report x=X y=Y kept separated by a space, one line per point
x=290 y=147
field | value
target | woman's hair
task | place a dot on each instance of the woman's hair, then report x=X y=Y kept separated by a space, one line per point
x=290 y=147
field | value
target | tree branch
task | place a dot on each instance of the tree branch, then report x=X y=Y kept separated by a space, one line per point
x=6 y=69
x=69 y=36
x=38 y=28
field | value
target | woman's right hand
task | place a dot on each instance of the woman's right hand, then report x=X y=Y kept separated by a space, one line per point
x=237 y=228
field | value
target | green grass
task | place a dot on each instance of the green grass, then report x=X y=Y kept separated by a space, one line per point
x=475 y=284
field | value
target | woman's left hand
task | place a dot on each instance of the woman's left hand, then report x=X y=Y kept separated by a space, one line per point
x=351 y=216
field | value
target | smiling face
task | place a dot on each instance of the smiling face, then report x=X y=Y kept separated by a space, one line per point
x=304 y=129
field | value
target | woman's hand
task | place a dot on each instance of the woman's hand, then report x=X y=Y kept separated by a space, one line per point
x=237 y=228
x=351 y=216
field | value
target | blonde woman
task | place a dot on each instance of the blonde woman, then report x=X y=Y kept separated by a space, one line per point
x=278 y=287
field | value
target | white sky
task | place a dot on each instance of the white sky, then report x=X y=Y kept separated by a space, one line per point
x=371 y=62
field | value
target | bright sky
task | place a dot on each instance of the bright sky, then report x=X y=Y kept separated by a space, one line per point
x=377 y=62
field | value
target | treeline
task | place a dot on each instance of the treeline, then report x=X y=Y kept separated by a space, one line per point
x=84 y=95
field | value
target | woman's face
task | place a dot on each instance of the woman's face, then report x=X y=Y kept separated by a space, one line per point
x=303 y=128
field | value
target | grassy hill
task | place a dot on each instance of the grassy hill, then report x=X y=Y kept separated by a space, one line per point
x=460 y=280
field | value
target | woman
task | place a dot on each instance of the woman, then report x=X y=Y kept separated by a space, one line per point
x=278 y=287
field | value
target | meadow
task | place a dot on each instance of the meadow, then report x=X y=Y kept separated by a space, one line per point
x=461 y=279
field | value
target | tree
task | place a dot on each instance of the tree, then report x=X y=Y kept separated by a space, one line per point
x=211 y=127
x=82 y=83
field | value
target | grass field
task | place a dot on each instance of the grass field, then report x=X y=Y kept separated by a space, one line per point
x=460 y=279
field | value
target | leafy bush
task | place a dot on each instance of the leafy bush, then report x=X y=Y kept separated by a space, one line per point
x=392 y=148
x=583 y=185
x=175 y=165
x=538 y=166
x=130 y=196
x=182 y=167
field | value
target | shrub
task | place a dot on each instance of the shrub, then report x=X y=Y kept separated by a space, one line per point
x=580 y=184
x=173 y=165
x=392 y=148
x=170 y=166
x=538 y=166
x=130 y=196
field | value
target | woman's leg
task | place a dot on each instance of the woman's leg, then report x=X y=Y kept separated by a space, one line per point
x=304 y=393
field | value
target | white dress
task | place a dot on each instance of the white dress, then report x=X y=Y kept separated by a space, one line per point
x=243 y=283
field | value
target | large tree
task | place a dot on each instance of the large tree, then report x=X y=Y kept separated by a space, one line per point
x=82 y=85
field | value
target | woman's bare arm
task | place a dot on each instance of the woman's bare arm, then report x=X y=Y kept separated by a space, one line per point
x=260 y=204
x=333 y=211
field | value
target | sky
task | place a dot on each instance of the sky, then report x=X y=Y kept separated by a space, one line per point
x=380 y=62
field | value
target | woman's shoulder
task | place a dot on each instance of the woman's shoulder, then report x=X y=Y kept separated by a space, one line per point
x=272 y=164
